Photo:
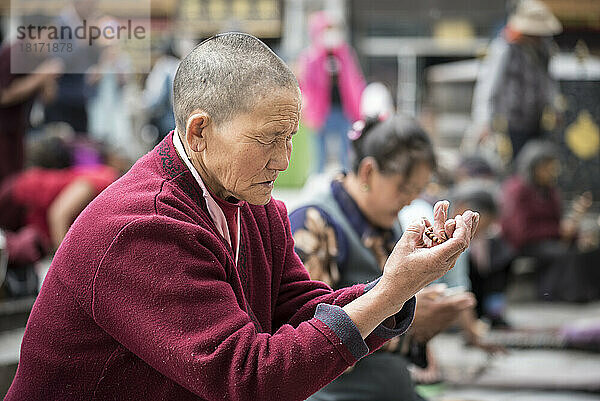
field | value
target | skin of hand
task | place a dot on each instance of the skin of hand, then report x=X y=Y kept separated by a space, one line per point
x=66 y=207
x=22 y=88
x=430 y=374
x=569 y=226
x=436 y=312
x=413 y=263
x=474 y=332
x=53 y=67
x=49 y=91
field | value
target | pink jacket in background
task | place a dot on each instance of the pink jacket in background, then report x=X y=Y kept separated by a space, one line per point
x=315 y=81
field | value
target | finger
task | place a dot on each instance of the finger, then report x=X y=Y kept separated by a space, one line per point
x=432 y=291
x=475 y=224
x=449 y=227
x=461 y=301
x=456 y=306
x=437 y=287
x=440 y=214
x=469 y=220
x=415 y=231
x=459 y=241
x=424 y=237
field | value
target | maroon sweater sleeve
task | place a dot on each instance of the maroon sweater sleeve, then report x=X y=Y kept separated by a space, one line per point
x=182 y=318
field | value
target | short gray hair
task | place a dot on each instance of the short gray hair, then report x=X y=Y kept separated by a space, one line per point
x=224 y=74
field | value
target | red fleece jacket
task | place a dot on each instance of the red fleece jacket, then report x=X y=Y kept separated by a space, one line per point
x=143 y=301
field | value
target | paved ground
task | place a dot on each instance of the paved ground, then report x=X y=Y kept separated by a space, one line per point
x=523 y=374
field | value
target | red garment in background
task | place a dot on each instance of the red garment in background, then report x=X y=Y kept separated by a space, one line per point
x=529 y=214
x=36 y=189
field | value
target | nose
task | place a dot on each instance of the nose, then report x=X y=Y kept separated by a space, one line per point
x=280 y=157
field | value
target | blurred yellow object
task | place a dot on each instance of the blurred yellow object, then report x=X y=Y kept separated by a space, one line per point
x=241 y=9
x=453 y=32
x=583 y=136
x=504 y=146
x=549 y=119
x=216 y=9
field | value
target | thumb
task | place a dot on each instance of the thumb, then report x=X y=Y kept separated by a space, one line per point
x=451 y=249
x=414 y=232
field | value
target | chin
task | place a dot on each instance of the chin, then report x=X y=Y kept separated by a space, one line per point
x=259 y=200
x=386 y=224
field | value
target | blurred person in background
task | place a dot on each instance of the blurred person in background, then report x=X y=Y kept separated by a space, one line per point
x=38 y=205
x=480 y=196
x=514 y=89
x=331 y=82
x=73 y=92
x=376 y=100
x=158 y=90
x=109 y=116
x=345 y=232
x=535 y=224
x=490 y=258
x=18 y=91
x=483 y=270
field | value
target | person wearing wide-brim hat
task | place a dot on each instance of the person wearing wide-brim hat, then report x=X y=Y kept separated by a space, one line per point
x=514 y=87
x=533 y=18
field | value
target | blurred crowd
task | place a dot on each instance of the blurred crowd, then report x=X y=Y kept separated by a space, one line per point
x=70 y=125
x=346 y=226
x=65 y=137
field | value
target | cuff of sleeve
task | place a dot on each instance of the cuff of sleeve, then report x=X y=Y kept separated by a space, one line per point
x=372 y=284
x=401 y=321
x=340 y=323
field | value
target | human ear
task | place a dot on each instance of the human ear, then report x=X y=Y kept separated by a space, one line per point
x=366 y=170
x=195 y=131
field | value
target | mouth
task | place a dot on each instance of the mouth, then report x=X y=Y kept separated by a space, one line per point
x=268 y=184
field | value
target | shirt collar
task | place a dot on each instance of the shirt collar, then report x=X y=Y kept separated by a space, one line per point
x=214 y=210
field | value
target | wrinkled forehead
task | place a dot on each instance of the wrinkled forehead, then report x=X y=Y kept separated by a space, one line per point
x=275 y=110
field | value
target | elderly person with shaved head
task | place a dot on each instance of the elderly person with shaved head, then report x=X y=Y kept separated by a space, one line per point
x=180 y=281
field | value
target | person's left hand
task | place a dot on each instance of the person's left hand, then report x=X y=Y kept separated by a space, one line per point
x=474 y=337
x=49 y=91
x=436 y=312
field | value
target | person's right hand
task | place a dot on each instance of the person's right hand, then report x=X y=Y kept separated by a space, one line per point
x=52 y=67
x=413 y=264
x=435 y=311
x=49 y=91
